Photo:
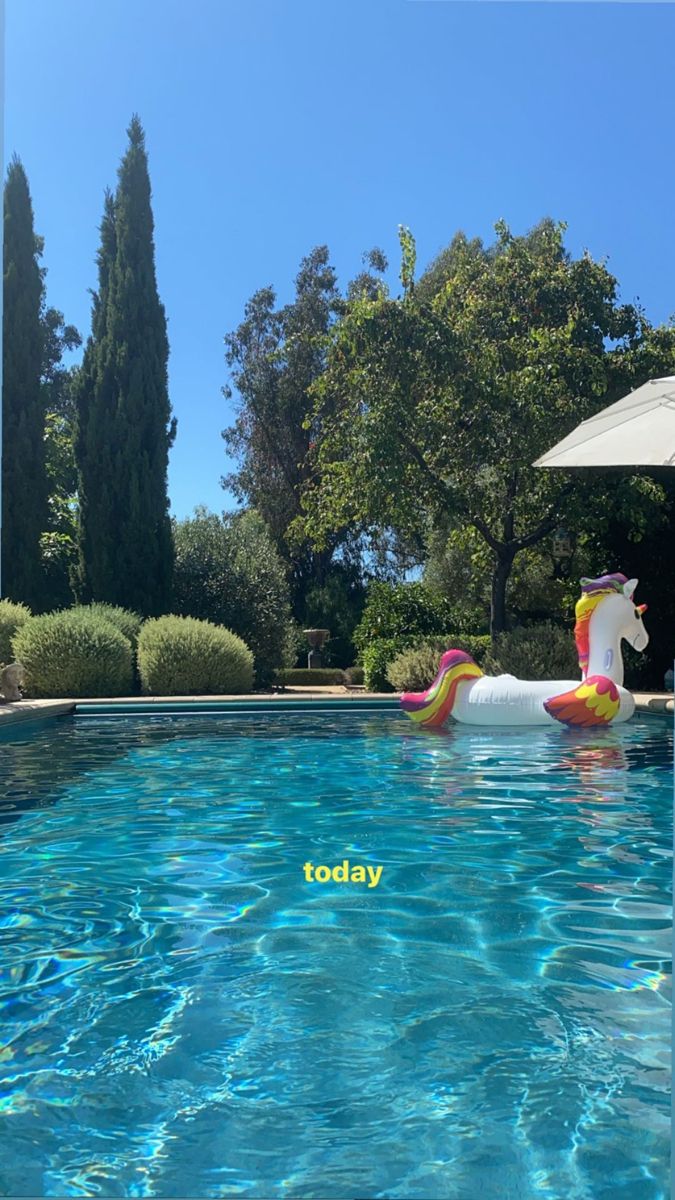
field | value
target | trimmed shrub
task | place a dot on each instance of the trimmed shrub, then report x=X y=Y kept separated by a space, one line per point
x=381 y=654
x=128 y=622
x=413 y=670
x=227 y=571
x=12 y=617
x=354 y=675
x=542 y=651
x=401 y=610
x=74 y=653
x=181 y=656
x=306 y=676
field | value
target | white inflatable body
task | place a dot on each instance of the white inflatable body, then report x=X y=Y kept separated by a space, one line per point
x=505 y=700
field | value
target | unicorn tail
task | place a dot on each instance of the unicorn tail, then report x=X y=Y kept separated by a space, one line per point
x=433 y=707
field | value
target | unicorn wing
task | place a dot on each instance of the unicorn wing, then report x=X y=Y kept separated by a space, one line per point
x=594 y=702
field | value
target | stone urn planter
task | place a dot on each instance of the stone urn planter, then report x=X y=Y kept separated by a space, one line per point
x=316 y=639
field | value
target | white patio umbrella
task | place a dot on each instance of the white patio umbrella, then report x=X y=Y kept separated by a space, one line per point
x=638 y=431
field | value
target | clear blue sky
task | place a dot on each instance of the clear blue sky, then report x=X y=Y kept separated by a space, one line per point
x=275 y=125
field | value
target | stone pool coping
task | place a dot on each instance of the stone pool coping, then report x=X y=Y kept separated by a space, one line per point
x=40 y=710
x=654 y=702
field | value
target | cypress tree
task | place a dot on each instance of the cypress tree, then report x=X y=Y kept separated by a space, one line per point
x=95 y=432
x=24 y=479
x=125 y=428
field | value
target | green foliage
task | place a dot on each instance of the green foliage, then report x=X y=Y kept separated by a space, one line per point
x=128 y=623
x=433 y=412
x=24 y=480
x=183 y=656
x=404 y=609
x=124 y=425
x=355 y=675
x=447 y=264
x=335 y=604
x=408 y=259
x=274 y=357
x=308 y=677
x=58 y=544
x=58 y=551
x=12 y=617
x=74 y=653
x=649 y=558
x=543 y=651
x=376 y=658
x=414 y=669
x=459 y=565
x=227 y=571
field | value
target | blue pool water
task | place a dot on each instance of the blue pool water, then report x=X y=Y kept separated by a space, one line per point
x=183 y=1015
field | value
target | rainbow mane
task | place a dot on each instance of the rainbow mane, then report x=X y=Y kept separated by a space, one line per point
x=433 y=707
x=592 y=592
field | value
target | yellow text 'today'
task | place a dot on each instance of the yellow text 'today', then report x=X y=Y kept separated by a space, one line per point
x=344 y=872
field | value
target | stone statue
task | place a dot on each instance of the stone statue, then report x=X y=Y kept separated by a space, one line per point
x=12 y=679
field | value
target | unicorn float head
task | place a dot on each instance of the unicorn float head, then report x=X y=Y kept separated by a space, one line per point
x=605 y=615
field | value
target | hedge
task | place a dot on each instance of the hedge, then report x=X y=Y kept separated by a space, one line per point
x=305 y=676
x=74 y=653
x=182 y=656
x=12 y=617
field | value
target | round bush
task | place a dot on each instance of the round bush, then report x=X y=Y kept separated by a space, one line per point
x=182 y=656
x=414 y=669
x=12 y=617
x=543 y=651
x=128 y=622
x=74 y=653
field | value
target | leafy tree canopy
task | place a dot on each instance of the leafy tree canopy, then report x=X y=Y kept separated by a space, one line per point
x=434 y=410
x=275 y=356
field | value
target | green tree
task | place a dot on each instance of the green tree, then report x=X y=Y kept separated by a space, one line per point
x=124 y=424
x=228 y=571
x=24 y=480
x=274 y=357
x=433 y=412
x=446 y=264
x=59 y=540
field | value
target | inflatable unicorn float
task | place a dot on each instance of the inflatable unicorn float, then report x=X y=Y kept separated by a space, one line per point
x=605 y=615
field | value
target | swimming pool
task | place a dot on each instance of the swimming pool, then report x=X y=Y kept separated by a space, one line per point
x=184 y=1015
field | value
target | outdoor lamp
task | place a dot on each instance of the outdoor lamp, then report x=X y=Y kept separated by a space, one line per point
x=562 y=549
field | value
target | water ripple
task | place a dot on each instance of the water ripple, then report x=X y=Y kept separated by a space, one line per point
x=183 y=1014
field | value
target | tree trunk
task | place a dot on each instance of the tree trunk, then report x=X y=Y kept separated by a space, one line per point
x=500 y=577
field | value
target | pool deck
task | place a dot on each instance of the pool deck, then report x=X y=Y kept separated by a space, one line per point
x=34 y=710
